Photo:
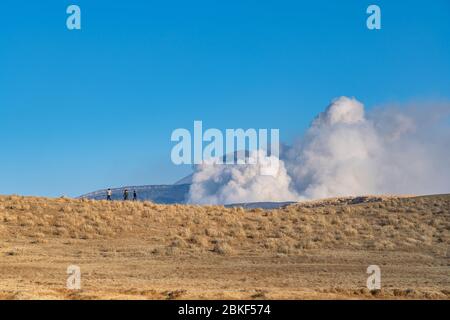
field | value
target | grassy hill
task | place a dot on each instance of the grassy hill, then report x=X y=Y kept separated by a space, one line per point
x=146 y=250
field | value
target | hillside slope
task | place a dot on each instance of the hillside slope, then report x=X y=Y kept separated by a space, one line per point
x=146 y=250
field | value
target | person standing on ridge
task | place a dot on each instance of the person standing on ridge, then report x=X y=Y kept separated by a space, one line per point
x=134 y=195
x=125 y=194
x=108 y=194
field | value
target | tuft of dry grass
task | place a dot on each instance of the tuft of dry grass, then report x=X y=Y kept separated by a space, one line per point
x=222 y=247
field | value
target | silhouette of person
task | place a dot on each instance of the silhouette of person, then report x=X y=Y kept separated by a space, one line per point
x=108 y=194
x=134 y=195
x=125 y=194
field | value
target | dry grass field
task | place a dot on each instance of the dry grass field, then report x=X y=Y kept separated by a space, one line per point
x=141 y=250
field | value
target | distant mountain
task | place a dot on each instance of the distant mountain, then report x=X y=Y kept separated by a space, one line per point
x=171 y=194
x=167 y=194
x=185 y=180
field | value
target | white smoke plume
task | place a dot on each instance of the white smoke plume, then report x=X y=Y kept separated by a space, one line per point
x=216 y=183
x=345 y=152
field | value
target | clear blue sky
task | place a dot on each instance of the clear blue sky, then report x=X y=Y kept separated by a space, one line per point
x=83 y=110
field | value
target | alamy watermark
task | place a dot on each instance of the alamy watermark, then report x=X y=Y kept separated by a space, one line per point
x=236 y=146
x=374 y=278
x=373 y=22
x=74 y=279
x=73 y=21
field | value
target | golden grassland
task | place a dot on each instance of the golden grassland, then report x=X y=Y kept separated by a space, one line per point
x=142 y=250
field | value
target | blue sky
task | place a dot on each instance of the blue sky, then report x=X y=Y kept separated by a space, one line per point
x=84 y=110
